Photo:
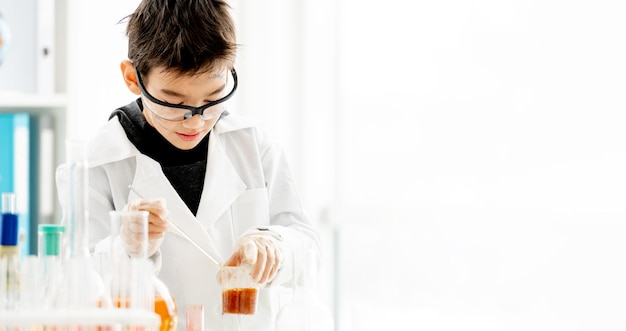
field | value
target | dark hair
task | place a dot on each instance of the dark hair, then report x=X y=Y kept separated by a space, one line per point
x=187 y=36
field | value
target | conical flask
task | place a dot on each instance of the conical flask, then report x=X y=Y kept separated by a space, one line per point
x=305 y=312
x=132 y=283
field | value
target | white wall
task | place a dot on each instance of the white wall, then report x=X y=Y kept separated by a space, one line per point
x=481 y=165
x=17 y=71
x=96 y=44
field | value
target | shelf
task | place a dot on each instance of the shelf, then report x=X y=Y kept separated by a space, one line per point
x=10 y=99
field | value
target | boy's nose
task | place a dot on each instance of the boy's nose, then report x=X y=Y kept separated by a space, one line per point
x=195 y=121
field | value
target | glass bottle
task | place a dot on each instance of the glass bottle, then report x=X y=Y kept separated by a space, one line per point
x=9 y=254
x=305 y=311
x=127 y=278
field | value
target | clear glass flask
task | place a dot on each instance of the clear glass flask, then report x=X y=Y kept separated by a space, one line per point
x=305 y=311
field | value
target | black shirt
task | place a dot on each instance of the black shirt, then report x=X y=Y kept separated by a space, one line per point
x=185 y=169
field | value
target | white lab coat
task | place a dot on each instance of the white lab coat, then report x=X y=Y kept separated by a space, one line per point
x=247 y=185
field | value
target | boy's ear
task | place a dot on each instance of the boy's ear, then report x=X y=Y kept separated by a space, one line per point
x=130 y=78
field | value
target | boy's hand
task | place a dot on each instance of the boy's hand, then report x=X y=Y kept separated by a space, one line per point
x=262 y=251
x=157 y=225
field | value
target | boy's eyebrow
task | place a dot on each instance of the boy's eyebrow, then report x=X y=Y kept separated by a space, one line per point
x=180 y=95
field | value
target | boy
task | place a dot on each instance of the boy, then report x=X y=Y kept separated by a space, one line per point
x=214 y=175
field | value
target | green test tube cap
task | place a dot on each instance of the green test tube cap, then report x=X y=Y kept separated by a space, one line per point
x=50 y=236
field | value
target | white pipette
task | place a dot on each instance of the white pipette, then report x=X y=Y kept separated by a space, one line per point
x=185 y=235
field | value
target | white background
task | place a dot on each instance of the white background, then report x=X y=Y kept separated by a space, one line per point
x=471 y=155
x=482 y=159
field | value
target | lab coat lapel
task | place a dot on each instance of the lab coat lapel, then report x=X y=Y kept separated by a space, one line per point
x=222 y=184
x=151 y=183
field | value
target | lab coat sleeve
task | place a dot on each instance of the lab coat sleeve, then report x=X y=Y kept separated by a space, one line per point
x=288 y=219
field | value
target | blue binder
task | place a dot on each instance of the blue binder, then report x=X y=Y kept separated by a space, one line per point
x=15 y=170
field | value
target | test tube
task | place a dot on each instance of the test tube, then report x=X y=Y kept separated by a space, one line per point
x=8 y=203
x=131 y=285
x=195 y=317
x=9 y=251
x=50 y=239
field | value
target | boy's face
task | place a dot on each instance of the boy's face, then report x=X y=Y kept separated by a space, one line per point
x=196 y=90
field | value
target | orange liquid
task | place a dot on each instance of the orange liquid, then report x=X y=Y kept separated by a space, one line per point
x=239 y=301
x=169 y=315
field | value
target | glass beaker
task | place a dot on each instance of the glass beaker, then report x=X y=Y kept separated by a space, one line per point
x=131 y=267
x=239 y=290
x=305 y=311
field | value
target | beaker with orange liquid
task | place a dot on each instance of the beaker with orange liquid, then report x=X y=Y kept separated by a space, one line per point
x=239 y=290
